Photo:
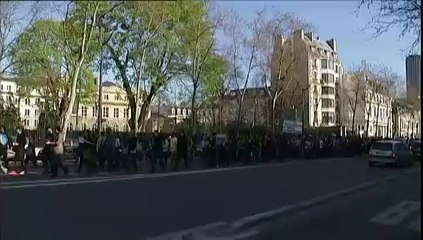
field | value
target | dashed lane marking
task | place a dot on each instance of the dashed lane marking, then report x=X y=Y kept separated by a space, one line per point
x=397 y=213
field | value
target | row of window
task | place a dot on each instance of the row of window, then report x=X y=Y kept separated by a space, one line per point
x=105 y=112
x=117 y=97
x=7 y=88
x=328 y=117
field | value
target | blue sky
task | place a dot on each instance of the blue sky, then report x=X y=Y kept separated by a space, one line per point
x=337 y=19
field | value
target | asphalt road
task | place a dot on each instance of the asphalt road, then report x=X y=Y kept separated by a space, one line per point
x=150 y=205
x=388 y=211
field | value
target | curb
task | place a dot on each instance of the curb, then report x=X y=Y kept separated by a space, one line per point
x=254 y=220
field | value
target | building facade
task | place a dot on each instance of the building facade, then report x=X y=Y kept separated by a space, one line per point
x=316 y=74
x=413 y=79
x=115 y=108
x=373 y=110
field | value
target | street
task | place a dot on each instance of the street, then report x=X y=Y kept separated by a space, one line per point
x=143 y=205
x=388 y=211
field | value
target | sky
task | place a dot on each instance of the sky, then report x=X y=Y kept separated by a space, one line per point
x=337 y=19
x=333 y=19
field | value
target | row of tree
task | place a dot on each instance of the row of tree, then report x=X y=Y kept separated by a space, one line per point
x=148 y=46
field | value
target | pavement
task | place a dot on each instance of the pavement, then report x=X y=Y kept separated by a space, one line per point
x=138 y=206
x=388 y=211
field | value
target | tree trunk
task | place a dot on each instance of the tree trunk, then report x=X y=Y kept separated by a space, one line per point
x=142 y=118
x=273 y=116
x=194 y=111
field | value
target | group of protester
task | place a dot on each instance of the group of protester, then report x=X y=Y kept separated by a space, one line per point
x=111 y=151
x=24 y=152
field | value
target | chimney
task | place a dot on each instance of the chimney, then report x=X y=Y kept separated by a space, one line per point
x=333 y=45
x=299 y=34
x=310 y=35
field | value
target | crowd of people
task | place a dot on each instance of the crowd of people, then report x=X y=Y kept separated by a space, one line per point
x=111 y=151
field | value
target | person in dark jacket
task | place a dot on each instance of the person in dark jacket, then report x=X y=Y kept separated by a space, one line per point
x=156 y=151
x=182 y=151
x=47 y=154
x=132 y=152
x=19 y=148
x=108 y=149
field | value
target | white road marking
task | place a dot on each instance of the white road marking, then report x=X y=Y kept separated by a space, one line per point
x=272 y=214
x=415 y=224
x=244 y=223
x=397 y=213
x=88 y=180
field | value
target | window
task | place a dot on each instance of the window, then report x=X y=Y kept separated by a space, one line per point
x=27 y=102
x=9 y=88
x=328 y=90
x=328 y=103
x=126 y=113
x=106 y=97
x=83 y=111
x=95 y=111
x=116 y=97
x=336 y=69
x=105 y=112
x=116 y=112
x=36 y=112
x=37 y=101
x=324 y=63
x=35 y=123
x=327 y=64
x=401 y=147
x=26 y=112
x=26 y=122
x=328 y=78
x=1 y=87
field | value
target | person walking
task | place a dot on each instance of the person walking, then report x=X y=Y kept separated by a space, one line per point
x=173 y=149
x=19 y=149
x=108 y=149
x=99 y=145
x=84 y=145
x=131 y=158
x=156 y=152
x=182 y=151
x=57 y=153
x=5 y=145
x=47 y=157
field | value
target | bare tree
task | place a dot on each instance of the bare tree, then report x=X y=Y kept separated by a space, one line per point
x=276 y=60
x=15 y=18
x=240 y=53
x=405 y=14
x=354 y=86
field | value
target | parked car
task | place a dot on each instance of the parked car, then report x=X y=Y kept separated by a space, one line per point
x=415 y=149
x=390 y=152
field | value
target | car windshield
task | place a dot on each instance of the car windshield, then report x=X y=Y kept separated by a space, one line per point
x=382 y=146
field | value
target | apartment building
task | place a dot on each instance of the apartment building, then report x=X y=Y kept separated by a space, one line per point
x=406 y=120
x=373 y=109
x=28 y=106
x=315 y=74
x=115 y=111
x=413 y=79
x=115 y=108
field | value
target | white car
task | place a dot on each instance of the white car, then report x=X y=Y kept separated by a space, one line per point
x=392 y=152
